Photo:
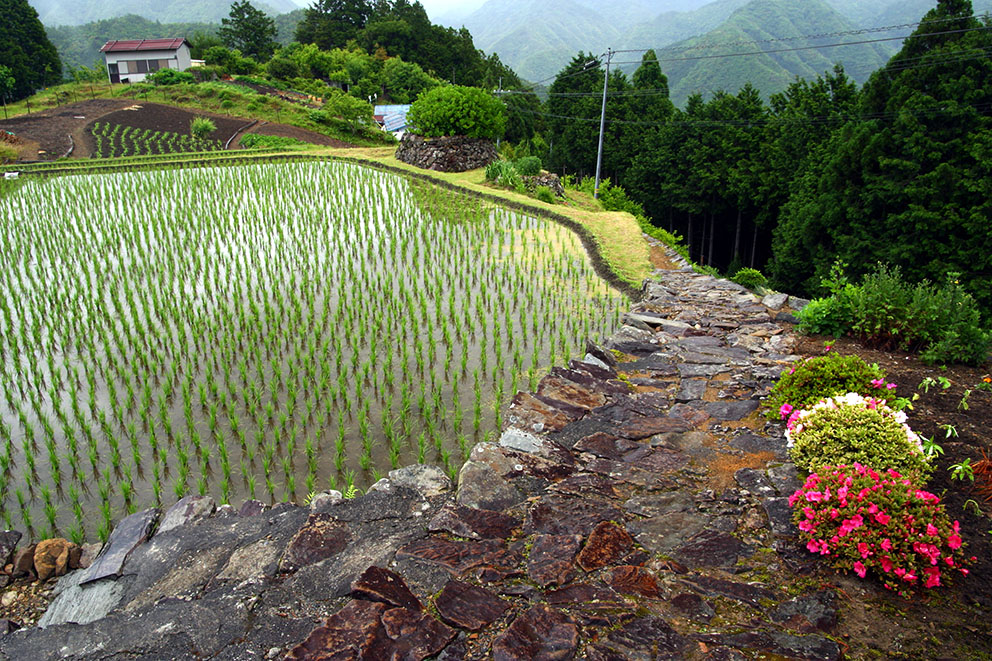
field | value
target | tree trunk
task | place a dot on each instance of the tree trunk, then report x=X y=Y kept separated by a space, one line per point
x=690 y=235
x=709 y=259
x=737 y=237
x=754 y=245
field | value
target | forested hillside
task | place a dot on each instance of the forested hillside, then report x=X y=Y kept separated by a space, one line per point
x=77 y=12
x=768 y=25
x=896 y=172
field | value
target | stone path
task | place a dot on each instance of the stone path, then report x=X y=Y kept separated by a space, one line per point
x=634 y=509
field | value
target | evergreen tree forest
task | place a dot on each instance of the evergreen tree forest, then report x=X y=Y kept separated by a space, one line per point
x=25 y=50
x=897 y=171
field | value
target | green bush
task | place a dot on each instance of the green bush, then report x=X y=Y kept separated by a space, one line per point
x=528 y=166
x=201 y=127
x=545 y=194
x=456 y=110
x=827 y=316
x=353 y=113
x=319 y=116
x=942 y=322
x=169 y=77
x=813 y=379
x=282 y=68
x=750 y=278
x=850 y=434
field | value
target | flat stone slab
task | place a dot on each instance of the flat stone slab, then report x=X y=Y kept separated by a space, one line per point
x=648 y=638
x=540 y=633
x=378 y=584
x=731 y=410
x=82 y=603
x=552 y=559
x=322 y=536
x=607 y=543
x=127 y=534
x=468 y=606
x=188 y=509
x=473 y=523
x=371 y=630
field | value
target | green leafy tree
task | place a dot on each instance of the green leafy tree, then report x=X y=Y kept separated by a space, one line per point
x=909 y=186
x=26 y=50
x=332 y=23
x=249 y=30
x=457 y=110
x=404 y=81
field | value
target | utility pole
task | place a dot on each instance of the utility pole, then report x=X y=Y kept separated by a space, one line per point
x=499 y=95
x=602 y=123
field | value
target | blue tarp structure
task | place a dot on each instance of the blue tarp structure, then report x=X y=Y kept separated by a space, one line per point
x=393 y=117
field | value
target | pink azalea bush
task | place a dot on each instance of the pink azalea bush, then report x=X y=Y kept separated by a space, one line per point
x=879 y=523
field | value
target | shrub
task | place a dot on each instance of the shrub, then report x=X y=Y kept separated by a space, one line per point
x=865 y=521
x=456 y=110
x=545 y=194
x=500 y=169
x=169 y=77
x=750 y=278
x=353 y=113
x=319 y=116
x=282 y=68
x=813 y=379
x=849 y=429
x=528 y=166
x=885 y=311
x=201 y=127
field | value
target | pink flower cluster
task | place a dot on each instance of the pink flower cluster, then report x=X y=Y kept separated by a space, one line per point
x=879 y=384
x=882 y=523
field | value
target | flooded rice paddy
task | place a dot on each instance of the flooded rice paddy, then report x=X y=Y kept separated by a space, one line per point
x=264 y=331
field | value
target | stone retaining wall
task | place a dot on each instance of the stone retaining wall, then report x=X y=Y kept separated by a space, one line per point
x=454 y=154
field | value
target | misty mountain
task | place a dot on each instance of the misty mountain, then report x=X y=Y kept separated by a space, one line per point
x=770 y=72
x=77 y=12
x=538 y=39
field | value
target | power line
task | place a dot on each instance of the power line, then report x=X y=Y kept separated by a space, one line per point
x=588 y=65
x=763 y=121
x=799 y=48
x=823 y=35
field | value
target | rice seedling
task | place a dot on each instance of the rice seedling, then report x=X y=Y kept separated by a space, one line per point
x=332 y=305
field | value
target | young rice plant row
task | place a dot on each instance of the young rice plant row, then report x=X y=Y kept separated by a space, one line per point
x=263 y=331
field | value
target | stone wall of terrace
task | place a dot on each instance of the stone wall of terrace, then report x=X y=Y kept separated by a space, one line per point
x=454 y=154
x=635 y=507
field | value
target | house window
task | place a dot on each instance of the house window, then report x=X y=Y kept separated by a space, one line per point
x=123 y=66
x=152 y=65
x=142 y=66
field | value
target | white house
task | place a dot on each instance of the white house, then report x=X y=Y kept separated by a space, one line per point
x=130 y=61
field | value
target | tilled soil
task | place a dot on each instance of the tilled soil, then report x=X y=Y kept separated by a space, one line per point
x=46 y=134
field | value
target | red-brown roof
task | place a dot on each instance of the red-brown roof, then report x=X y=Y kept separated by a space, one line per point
x=119 y=45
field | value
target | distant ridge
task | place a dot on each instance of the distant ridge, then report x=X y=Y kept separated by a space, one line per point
x=77 y=12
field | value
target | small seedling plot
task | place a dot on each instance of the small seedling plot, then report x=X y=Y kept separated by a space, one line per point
x=114 y=140
x=159 y=338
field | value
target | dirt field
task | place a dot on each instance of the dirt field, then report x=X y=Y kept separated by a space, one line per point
x=48 y=135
